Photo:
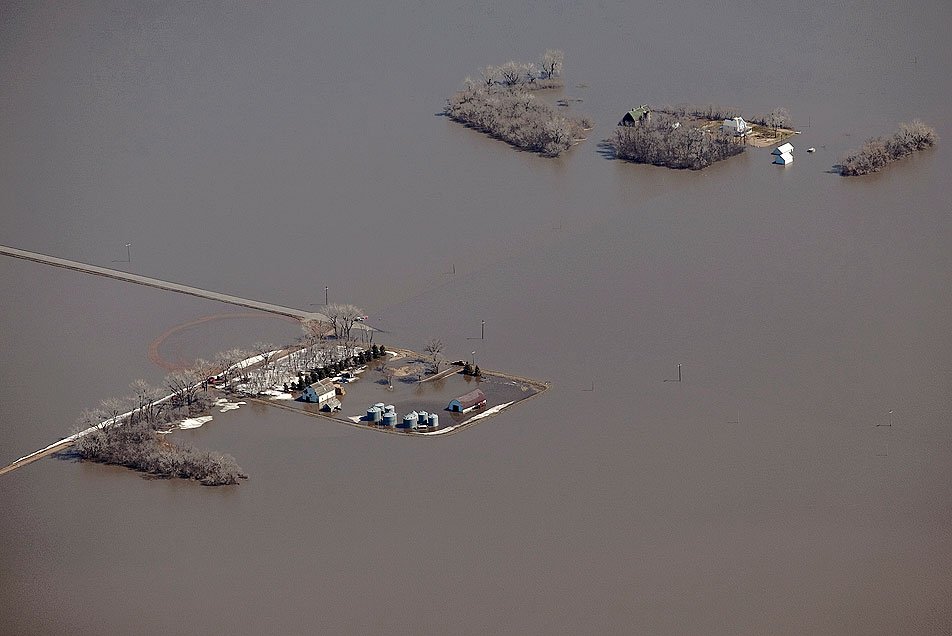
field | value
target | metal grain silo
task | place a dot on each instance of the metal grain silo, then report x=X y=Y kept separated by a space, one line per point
x=390 y=419
x=434 y=420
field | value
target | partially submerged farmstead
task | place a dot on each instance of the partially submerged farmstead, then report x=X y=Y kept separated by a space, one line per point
x=466 y=403
x=319 y=392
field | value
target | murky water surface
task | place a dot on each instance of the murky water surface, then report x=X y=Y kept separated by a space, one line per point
x=270 y=151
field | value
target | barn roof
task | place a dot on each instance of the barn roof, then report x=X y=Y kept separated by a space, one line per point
x=322 y=386
x=637 y=113
x=471 y=399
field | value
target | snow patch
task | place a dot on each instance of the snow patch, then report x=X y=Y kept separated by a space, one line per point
x=225 y=405
x=194 y=422
x=488 y=412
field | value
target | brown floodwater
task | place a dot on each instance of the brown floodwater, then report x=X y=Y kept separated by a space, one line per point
x=269 y=152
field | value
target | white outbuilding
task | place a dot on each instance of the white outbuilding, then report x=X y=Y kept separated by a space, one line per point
x=785 y=149
x=783 y=159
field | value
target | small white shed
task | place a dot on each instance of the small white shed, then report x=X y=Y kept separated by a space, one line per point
x=785 y=149
x=783 y=159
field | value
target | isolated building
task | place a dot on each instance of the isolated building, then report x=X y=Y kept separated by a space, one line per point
x=736 y=126
x=636 y=115
x=319 y=391
x=331 y=405
x=465 y=403
x=786 y=148
x=783 y=158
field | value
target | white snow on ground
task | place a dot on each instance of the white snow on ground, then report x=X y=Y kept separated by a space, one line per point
x=194 y=422
x=276 y=394
x=226 y=405
x=487 y=412
x=355 y=419
x=441 y=431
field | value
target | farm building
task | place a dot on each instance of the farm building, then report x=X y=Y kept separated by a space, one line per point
x=331 y=405
x=736 y=126
x=319 y=391
x=785 y=149
x=465 y=403
x=783 y=159
x=636 y=115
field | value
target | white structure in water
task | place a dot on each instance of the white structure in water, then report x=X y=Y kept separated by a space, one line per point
x=783 y=155
x=736 y=126
x=785 y=149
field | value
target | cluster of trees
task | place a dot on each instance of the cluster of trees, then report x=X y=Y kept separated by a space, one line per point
x=518 y=118
x=127 y=434
x=545 y=74
x=878 y=152
x=501 y=104
x=662 y=141
x=330 y=369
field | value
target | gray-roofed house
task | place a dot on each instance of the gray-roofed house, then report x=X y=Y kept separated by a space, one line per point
x=465 y=403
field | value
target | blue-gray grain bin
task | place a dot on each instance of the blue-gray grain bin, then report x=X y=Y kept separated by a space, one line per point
x=390 y=419
x=434 y=420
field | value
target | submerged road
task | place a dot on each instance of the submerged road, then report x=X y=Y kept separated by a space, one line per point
x=161 y=284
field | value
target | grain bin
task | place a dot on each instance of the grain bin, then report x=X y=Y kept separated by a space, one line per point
x=410 y=420
x=372 y=414
x=434 y=420
x=390 y=419
x=422 y=417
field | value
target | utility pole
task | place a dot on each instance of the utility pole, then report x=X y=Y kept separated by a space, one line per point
x=128 y=252
x=482 y=330
x=325 y=295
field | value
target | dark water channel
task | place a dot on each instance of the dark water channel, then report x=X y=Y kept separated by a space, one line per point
x=268 y=151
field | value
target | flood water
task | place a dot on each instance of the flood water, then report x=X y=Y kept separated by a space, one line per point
x=268 y=151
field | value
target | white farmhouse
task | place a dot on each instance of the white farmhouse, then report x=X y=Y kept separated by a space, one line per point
x=736 y=126
x=319 y=391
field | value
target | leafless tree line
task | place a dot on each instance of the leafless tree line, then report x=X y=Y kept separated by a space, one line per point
x=661 y=142
x=878 y=152
x=777 y=118
x=545 y=74
x=134 y=440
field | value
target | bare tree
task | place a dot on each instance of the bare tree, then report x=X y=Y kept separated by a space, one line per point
x=343 y=317
x=434 y=347
x=113 y=407
x=511 y=73
x=91 y=417
x=778 y=118
x=551 y=62
x=489 y=75
x=183 y=384
x=204 y=370
x=388 y=373
x=144 y=398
